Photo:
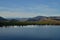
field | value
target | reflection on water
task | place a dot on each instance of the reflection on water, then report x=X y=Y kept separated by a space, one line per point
x=30 y=31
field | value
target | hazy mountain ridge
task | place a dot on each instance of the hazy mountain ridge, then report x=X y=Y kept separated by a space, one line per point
x=38 y=18
x=2 y=19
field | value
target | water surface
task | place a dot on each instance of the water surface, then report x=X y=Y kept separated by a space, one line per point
x=50 y=32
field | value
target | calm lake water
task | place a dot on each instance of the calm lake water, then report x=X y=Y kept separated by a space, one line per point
x=42 y=32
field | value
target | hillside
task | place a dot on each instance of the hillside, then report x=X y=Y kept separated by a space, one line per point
x=39 y=20
x=2 y=19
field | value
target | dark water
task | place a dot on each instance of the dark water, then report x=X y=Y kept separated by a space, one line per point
x=30 y=32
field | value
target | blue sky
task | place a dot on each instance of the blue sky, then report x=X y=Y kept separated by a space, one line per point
x=29 y=8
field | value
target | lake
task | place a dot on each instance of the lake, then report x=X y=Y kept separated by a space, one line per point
x=42 y=32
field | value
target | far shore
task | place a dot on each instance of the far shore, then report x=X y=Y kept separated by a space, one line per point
x=26 y=23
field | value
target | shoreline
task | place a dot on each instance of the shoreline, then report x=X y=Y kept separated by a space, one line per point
x=28 y=25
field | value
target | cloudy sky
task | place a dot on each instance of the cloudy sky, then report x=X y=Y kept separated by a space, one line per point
x=29 y=8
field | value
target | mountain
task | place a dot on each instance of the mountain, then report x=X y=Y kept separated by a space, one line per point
x=18 y=19
x=36 y=18
x=23 y=19
x=39 y=18
x=33 y=19
x=55 y=18
x=2 y=19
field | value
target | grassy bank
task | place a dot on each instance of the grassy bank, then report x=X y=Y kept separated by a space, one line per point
x=29 y=23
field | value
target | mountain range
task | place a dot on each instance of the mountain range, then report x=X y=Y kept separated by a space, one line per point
x=38 y=18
